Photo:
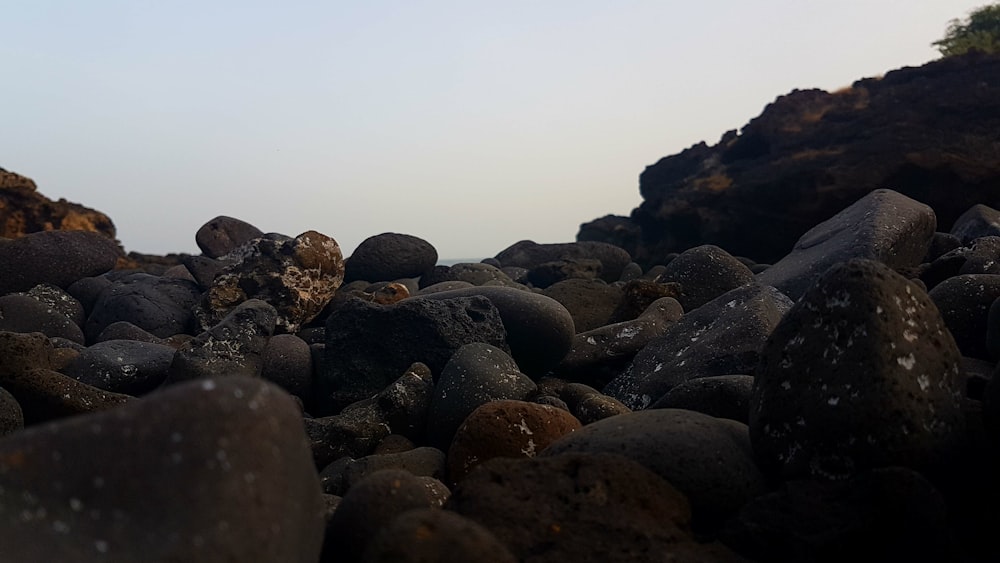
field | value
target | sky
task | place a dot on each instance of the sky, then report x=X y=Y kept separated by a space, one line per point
x=470 y=124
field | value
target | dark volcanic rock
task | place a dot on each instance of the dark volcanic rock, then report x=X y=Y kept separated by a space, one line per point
x=160 y=306
x=390 y=256
x=235 y=346
x=297 y=277
x=224 y=462
x=529 y=254
x=708 y=459
x=59 y=301
x=979 y=221
x=704 y=273
x=590 y=302
x=890 y=514
x=11 y=416
x=371 y=505
x=639 y=294
x=56 y=257
x=928 y=132
x=722 y=337
x=476 y=374
x=401 y=408
x=884 y=225
x=505 y=429
x=539 y=330
x=590 y=405
x=23 y=210
x=860 y=373
x=20 y=312
x=122 y=366
x=288 y=362
x=548 y=273
x=341 y=475
x=124 y=330
x=222 y=235
x=723 y=396
x=581 y=507
x=964 y=302
x=429 y=535
x=601 y=354
x=369 y=345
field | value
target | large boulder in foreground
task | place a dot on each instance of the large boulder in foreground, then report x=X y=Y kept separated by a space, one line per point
x=224 y=462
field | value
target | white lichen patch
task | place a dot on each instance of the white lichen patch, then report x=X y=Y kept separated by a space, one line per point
x=924 y=382
x=524 y=428
x=833 y=401
x=909 y=336
x=907 y=361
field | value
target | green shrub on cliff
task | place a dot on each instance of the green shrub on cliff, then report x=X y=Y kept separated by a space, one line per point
x=980 y=31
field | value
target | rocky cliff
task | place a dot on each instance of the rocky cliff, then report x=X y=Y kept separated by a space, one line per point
x=23 y=210
x=929 y=132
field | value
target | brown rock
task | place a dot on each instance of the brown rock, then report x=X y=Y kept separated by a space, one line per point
x=23 y=210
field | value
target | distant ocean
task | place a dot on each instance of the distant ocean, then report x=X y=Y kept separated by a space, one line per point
x=453 y=261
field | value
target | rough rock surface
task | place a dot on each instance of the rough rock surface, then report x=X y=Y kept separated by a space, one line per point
x=23 y=210
x=225 y=463
x=390 y=256
x=704 y=273
x=529 y=254
x=160 y=306
x=55 y=257
x=297 y=277
x=927 y=132
x=222 y=235
x=860 y=373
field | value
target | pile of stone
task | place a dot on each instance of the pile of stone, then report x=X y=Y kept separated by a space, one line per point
x=268 y=400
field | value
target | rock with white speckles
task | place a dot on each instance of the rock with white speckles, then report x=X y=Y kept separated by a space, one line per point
x=704 y=273
x=20 y=312
x=722 y=337
x=224 y=461
x=297 y=277
x=400 y=408
x=122 y=366
x=476 y=374
x=706 y=458
x=861 y=373
x=599 y=355
x=235 y=346
x=884 y=225
x=505 y=429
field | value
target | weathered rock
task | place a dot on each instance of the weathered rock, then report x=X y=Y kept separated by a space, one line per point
x=505 y=429
x=964 y=302
x=234 y=347
x=581 y=507
x=390 y=256
x=371 y=505
x=539 y=330
x=979 y=221
x=890 y=514
x=590 y=302
x=704 y=273
x=124 y=330
x=722 y=337
x=23 y=210
x=55 y=257
x=529 y=254
x=369 y=345
x=861 y=373
x=476 y=374
x=722 y=396
x=547 y=273
x=122 y=366
x=231 y=468
x=706 y=458
x=602 y=354
x=639 y=294
x=204 y=269
x=297 y=277
x=160 y=306
x=981 y=256
x=288 y=363
x=400 y=408
x=590 y=405
x=59 y=301
x=11 y=416
x=340 y=476
x=20 y=312
x=884 y=225
x=222 y=235
x=427 y=535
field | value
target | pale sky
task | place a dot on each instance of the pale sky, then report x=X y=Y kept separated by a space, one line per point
x=470 y=124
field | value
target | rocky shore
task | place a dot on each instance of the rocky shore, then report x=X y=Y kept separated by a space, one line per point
x=269 y=400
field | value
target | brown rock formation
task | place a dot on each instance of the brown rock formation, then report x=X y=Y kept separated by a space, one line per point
x=23 y=210
x=928 y=132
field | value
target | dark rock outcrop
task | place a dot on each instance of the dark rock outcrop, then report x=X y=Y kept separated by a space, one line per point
x=928 y=132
